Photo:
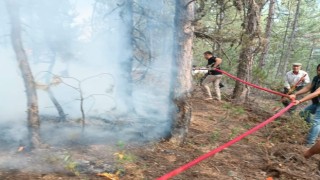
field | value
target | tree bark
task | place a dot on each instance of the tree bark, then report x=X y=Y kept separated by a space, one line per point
x=284 y=41
x=29 y=83
x=57 y=105
x=219 y=21
x=248 y=48
x=266 y=47
x=287 y=53
x=183 y=61
x=310 y=56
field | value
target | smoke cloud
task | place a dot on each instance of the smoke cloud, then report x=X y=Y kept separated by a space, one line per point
x=116 y=55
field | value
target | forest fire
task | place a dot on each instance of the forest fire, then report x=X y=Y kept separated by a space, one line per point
x=80 y=86
x=104 y=89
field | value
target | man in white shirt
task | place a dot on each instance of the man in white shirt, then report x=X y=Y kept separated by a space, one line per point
x=291 y=80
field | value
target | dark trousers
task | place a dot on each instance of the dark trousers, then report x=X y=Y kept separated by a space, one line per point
x=287 y=101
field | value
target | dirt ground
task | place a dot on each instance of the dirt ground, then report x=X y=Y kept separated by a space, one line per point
x=274 y=151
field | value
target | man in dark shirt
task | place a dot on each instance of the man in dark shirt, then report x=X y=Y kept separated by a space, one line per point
x=213 y=75
x=314 y=108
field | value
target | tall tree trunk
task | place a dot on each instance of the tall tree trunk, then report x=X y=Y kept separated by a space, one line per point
x=57 y=105
x=219 y=21
x=29 y=83
x=289 y=49
x=280 y=65
x=266 y=47
x=183 y=61
x=249 y=45
x=310 y=56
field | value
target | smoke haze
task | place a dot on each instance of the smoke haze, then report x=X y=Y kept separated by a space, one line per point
x=120 y=55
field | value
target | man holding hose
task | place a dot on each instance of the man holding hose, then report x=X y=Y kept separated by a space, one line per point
x=213 y=76
x=295 y=80
x=313 y=109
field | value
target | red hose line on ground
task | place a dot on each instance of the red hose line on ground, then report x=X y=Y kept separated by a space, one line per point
x=253 y=85
x=220 y=148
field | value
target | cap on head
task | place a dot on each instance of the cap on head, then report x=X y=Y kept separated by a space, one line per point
x=296 y=64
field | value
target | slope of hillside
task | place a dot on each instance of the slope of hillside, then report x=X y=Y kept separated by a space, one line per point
x=274 y=151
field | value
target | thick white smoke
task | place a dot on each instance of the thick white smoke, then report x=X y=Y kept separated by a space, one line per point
x=96 y=43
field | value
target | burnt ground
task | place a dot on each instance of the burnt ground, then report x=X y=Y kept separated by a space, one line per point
x=274 y=151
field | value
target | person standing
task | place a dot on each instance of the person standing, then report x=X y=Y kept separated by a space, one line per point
x=291 y=79
x=213 y=76
x=314 y=108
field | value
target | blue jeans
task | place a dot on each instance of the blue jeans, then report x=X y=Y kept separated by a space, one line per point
x=311 y=114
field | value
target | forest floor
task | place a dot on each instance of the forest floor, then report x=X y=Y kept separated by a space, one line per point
x=274 y=151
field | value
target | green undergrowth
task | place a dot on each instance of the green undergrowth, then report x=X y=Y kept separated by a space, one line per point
x=234 y=110
x=291 y=129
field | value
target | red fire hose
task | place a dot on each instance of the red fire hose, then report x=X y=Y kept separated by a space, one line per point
x=295 y=86
x=220 y=148
x=253 y=85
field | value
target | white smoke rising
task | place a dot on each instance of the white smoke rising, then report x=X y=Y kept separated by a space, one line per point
x=75 y=40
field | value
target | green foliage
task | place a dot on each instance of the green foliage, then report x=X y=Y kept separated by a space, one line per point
x=120 y=144
x=292 y=130
x=215 y=136
x=247 y=126
x=70 y=164
x=123 y=157
x=235 y=110
x=228 y=36
x=260 y=75
x=234 y=132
